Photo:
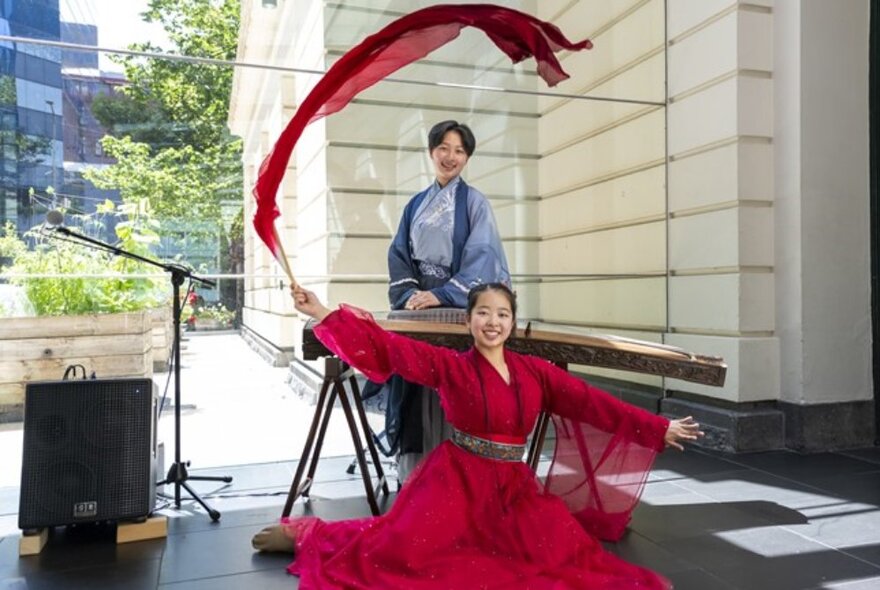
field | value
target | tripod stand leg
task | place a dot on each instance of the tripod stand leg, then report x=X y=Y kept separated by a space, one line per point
x=365 y=426
x=214 y=514
x=537 y=441
x=223 y=478
x=178 y=475
x=307 y=449
x=358 y=449
x=316 y=452
x=534 y=455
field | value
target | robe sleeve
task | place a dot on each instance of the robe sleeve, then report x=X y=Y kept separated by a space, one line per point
x=357 y=339
x=604 y=451
x=403 y=283
x=482 y=259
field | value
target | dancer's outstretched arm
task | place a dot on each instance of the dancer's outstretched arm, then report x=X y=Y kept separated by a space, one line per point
x=357 y=339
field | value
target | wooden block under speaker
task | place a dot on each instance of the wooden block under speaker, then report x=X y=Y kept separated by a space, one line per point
x=89 y=452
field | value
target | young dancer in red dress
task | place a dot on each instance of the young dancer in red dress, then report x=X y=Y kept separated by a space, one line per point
x=473 y=515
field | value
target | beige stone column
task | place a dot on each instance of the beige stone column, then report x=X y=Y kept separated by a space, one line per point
x=822 y=222
x=721 y=192
x=768 y=218
x=261 y=104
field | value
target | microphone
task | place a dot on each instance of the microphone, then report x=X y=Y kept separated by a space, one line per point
x=54 y=218
x=55 y=224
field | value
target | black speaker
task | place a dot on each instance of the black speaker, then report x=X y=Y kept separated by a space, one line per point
x=89 y=452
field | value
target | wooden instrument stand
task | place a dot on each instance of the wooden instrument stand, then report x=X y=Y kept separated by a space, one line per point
x=336 y=372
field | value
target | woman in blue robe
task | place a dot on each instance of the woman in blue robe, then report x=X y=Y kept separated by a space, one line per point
x=447 y=242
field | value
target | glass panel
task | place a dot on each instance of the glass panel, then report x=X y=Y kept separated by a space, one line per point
x=575 y=174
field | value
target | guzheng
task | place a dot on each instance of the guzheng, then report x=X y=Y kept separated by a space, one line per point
x=446 y=327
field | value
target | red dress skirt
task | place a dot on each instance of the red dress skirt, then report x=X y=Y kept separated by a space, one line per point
x=468 y=521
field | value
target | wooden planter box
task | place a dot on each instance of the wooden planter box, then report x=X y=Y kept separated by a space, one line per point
x=41 y=348
x=163 y=337
x=209 y=324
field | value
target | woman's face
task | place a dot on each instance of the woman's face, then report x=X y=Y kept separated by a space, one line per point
x=491 y=320
x=449 y=158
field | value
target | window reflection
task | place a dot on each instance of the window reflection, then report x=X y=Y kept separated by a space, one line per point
x=577 y=185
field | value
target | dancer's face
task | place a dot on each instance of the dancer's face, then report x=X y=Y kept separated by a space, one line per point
x=491 y=320
x=449 y=158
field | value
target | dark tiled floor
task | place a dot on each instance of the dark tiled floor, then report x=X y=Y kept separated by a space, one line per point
x=770 y=520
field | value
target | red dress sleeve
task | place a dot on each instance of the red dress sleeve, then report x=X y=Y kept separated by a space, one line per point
x=604 y=451
x=354 y=336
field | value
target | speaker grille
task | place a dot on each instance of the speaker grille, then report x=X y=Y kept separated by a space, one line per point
x=89 y=452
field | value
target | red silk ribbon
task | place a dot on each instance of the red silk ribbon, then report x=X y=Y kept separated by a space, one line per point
x=402 y=42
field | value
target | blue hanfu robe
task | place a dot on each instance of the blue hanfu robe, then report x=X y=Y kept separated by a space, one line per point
x=431 y=254
x=447 y=243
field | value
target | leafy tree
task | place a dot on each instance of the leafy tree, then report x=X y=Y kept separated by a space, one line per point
x=179 y=182
x=193 y=97
x=10 y=244
x=233 y=261
x=168 y=125
x=123 y=116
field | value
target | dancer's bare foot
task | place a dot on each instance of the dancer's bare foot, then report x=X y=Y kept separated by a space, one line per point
x=272 y=538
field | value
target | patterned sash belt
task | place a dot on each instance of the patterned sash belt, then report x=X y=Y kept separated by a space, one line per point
x=487 y=448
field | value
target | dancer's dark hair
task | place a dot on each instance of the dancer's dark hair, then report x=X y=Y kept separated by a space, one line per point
x=439 y=131
x=475 y=293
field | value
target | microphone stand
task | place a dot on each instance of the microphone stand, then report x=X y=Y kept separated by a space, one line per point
x=177 y=474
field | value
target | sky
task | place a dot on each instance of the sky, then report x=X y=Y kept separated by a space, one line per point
x=119 y=24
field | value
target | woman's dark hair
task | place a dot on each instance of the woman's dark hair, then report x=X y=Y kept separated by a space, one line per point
x=439 y=131
x=475 y=293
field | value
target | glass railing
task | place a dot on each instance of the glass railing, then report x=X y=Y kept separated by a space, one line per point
x=151 y=136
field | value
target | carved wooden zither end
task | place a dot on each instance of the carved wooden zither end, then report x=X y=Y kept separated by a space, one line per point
x=446 y=327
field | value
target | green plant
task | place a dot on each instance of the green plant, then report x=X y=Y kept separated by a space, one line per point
x=11 y=246
x=217 y=312
x=65 y=277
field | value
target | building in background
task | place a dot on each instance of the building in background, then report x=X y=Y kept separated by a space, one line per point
x=47 y=129
x=83 y=133
x=82 y=81
x=79 y=34
x=31 y=133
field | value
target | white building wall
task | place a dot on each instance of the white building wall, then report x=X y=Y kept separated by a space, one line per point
x=263 y=102
x=822 y=224
x=768 y=196
x=733 y=221
x=721 y=192
x=601 y=176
